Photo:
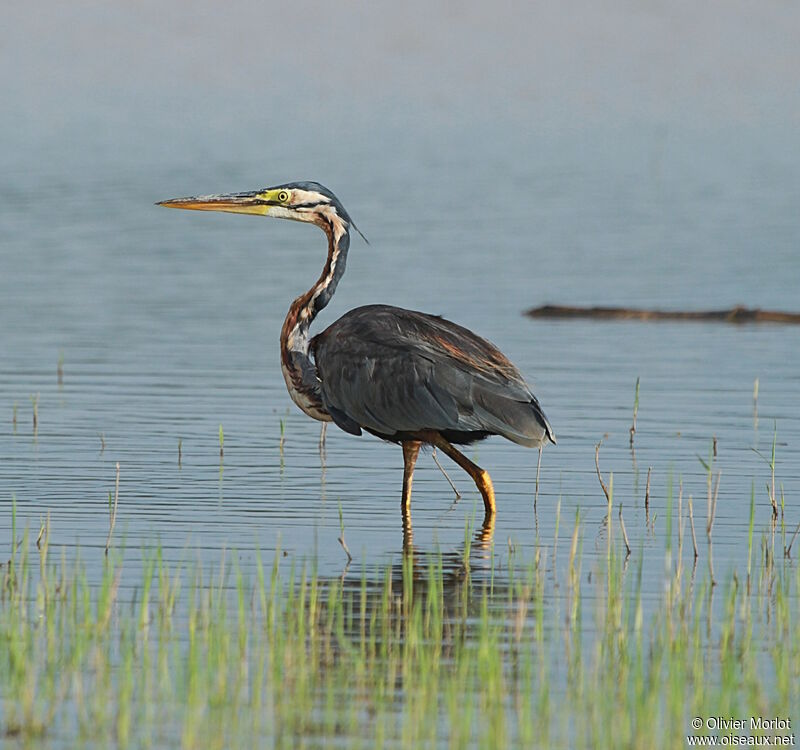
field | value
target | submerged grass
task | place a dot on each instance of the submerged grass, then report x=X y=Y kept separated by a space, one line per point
x=430 y=652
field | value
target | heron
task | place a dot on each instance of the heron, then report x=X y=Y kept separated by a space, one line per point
x=406 y=377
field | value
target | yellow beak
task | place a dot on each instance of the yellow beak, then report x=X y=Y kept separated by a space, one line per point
x=236 y=203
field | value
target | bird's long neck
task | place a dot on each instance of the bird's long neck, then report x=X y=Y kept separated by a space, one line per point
x=297 y=366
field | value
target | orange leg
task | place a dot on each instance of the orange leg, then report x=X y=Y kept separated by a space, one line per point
x=480 y=476
x=410 y=453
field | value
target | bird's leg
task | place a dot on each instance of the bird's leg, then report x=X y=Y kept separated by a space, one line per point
x=480 y=476
x=410 y=453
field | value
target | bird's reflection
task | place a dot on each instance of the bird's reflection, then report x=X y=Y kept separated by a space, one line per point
x=453 y=583
x=482 y=537
x=457 y=571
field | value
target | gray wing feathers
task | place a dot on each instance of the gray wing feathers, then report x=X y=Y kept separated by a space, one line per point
x=390 y=370
x=387 y=394
x=516 y=420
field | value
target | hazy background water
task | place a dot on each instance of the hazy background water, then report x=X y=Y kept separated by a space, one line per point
x=497 y=158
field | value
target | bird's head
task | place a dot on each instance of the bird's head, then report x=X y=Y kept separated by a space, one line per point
x=299 y=201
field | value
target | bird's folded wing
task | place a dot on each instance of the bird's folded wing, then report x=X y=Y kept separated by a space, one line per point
x=392 y=371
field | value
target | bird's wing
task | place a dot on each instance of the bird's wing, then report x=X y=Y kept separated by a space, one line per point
x=392 y=371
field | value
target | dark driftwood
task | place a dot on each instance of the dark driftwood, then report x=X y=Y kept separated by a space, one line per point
x=738 y=314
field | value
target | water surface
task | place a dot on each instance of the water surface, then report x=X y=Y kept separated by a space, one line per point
x=491 y=174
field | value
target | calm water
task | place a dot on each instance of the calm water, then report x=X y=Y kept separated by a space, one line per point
x=484 y=190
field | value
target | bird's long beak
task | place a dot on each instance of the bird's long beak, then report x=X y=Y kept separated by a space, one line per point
x=254 y=202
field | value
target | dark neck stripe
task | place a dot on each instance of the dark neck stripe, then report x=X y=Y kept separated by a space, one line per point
x=296 y=358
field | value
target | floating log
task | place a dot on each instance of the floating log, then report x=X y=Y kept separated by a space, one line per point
x=738 y=314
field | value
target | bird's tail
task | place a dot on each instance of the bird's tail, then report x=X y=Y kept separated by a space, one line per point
x=519 y=421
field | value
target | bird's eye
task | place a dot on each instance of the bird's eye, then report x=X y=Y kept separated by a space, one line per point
x=283 y=196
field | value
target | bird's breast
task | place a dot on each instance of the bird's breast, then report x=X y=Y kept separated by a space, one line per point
x=308 y=401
